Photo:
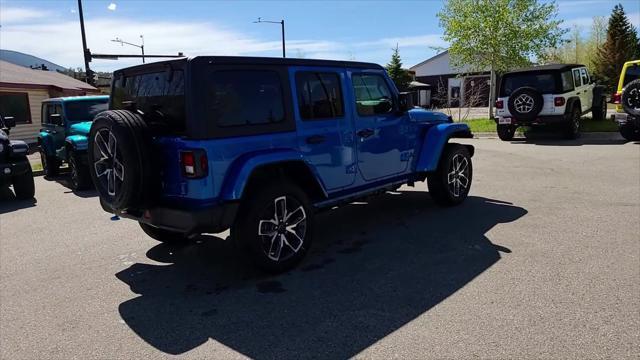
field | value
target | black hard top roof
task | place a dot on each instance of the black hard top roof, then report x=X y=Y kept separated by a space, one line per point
x=250 y=60
x=549 y=67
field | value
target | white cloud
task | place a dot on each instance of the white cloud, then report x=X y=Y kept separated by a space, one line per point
x=17 y=15
x=112 y=7
x=43 y=38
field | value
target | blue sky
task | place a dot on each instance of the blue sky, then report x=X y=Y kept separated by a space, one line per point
x=360 y=30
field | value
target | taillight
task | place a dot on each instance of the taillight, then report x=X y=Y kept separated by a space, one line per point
x=194 y=163
x=499 y=104
x=616 y=98
x=558 y=101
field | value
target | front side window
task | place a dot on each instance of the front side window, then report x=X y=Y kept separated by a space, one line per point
x=576 y=77
x=585 y=76
x=239 y=98
x=567 y=81
x=372 y=94
x=84 y=110
x=319 y=95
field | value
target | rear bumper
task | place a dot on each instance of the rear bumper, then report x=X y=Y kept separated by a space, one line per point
x=624 y=118
x=538 y=121
x=13 y=168
x=207 y=220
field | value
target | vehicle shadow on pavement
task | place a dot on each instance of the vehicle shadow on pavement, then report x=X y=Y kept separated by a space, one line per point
x=373 y=269
x=545 y=138
x=9 y=202
x=65 y=180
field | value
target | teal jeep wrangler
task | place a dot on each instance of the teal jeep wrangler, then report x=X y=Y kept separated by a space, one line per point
x=63 y=138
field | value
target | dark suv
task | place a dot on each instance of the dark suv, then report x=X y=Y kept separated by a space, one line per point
x=14 y=166
x=259 y=145
x=556 y=95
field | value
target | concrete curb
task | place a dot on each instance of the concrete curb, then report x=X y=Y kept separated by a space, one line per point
x=585 y=135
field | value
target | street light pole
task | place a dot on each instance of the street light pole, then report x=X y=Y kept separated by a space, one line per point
x=141 y=47
x=281 y=22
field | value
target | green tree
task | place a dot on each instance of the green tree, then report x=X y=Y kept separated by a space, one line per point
x=399 y=75
x=621 y=46
x=498 y=35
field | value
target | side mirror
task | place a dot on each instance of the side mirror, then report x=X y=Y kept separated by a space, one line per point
x=405 y=101
x=56 y=119
x=9 y=122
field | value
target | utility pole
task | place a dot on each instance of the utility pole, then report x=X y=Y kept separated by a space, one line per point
x=281 y=22
x=87 y=55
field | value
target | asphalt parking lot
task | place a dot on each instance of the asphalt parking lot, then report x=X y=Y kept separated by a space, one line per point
x=542 y=261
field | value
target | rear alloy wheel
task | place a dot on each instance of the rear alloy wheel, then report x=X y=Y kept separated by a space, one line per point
x=450 y=184
x=50 y=165
x=506 y=132
x=573 y=126
x=80 y=177
x=275 y=226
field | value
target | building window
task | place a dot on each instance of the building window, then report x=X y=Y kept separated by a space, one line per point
x=15 y=105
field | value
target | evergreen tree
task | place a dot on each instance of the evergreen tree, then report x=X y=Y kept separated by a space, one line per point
x=399 y=75
x=621 y=46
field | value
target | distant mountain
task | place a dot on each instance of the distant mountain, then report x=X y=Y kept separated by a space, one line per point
x=27 y=60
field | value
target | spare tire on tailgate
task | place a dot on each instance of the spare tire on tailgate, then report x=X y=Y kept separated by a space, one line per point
x=525 y=103
x=120 y=160
x=631 y=98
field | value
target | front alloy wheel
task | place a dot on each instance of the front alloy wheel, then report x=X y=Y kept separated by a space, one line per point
x=458 y=175
x=450 y=183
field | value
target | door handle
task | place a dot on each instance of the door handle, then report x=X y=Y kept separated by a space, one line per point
x=578 y=93
x=365 y=133
x=316 y=139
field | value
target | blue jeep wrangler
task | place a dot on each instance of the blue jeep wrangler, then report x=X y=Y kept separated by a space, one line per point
x=258 y=145
x=65 y=125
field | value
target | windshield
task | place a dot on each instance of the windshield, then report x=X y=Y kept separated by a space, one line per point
x=545 y=83
x=632 y=73
x=84 y=110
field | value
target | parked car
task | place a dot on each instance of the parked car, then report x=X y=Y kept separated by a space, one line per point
x=259 y=145
x=63 y=138
x=548 y=95
x=627 y=98
x=14 y=166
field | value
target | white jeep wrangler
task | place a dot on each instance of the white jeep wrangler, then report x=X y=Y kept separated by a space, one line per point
x=556 y=95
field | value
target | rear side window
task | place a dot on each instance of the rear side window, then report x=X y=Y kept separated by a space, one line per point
x=240 y=98
x=372 y=93
x=543 y=82
x=567 y=81
x=576 y=77
x=319 y=95
x=159 y=95
x=631 y=73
